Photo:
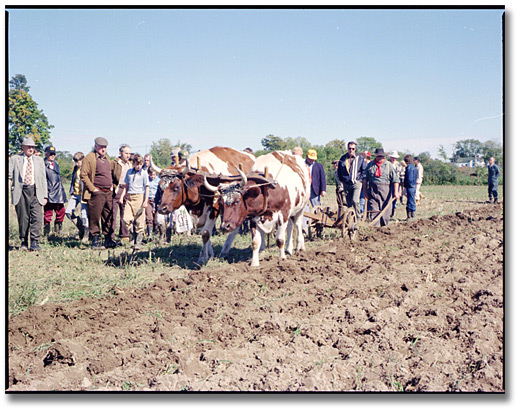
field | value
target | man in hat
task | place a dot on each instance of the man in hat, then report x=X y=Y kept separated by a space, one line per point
x=318 y=179
x=120 y=166
x=351 y=168
x=394 y=156
x=28 y=193
x=379 y=180
x=97 y=180
x=56 y=197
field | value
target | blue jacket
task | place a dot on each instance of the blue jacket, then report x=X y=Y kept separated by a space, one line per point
x=318 y=179
x=410 y=176
x=493 y=173
x=55 y=190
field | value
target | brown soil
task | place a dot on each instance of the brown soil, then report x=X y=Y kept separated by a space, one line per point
x=415 y=307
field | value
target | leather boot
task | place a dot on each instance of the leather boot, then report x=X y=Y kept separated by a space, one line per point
x=413 y=215
x=46 y=229
x=58 y=228
x=81 y=230
x=162 y=234
x=169 y=234
x=96 y=243
x=138 y=241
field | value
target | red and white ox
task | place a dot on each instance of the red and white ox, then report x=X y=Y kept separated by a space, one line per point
x=182 y=185
x=270 y=205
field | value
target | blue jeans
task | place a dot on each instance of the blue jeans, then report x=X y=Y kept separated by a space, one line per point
x=410 y=199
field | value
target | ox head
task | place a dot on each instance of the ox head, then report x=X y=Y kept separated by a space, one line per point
x=173 y=192
x=230 y=199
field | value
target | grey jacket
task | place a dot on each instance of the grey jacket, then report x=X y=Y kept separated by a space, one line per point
x=16 y=178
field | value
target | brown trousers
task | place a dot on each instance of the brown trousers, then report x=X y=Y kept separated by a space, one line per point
x=100 y=211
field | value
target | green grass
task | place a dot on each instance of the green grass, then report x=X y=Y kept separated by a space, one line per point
x=67 y=270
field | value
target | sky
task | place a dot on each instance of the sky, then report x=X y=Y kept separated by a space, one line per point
x=411 y=79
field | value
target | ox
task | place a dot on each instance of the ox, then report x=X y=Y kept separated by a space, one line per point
x=185 y=186
x=274 y=201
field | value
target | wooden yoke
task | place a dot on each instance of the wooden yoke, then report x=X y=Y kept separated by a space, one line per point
x=198 y=163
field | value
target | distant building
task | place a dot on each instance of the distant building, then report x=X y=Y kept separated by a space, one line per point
x=469 y=162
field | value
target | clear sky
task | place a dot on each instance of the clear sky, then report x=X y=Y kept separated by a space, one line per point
x=412 y=79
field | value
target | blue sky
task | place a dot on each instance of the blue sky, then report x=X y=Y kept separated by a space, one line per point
x=412 y=79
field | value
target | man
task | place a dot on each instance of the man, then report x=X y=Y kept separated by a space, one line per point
x=380 y=178
x=351 y=168
x=147 y=161
x=420 y=174
x=410 y=183
x=493 y=174
x=120 y=166
x=96 y=176
x=298 y=151
x=394 y=155
x=28 y=193
x=318 y=179
x=56 y=197
x=150 y=212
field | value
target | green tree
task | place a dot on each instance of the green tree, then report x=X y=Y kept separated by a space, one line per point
x=443 y=154
x=66 y=164
x=274 y=143
x=161 y=152
x=366 y=143
x=467 y=148
x=185 y=147
x=490 y=148
x=24 y=117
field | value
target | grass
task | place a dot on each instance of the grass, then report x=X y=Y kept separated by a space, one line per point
x=67 y=270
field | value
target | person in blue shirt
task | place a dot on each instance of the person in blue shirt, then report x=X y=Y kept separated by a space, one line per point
x=150 y=212
x=137 y=184
x=493 y=174
x=410 y=185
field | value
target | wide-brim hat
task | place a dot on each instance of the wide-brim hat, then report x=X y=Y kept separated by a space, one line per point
x=312 y=154
x=379 y=152
x=28 y=141
x=394 y=154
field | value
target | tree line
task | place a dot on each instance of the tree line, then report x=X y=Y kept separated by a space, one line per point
x=26 y=119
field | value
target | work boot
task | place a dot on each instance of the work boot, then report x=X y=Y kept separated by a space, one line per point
x=24 y=246
x=96 y=243
x=169 y=234
x=149 y=231
x=35 y=246
x=58 y=228
x=162 y=234
x=138 y=241
x=109 y=243
x=81 y=230
x=46 y=229
x=495 y=201
x=412 y=214
x=407 y=214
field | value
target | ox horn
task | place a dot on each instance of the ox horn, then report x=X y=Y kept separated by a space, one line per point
x=211 y=188
x=243 y=176
x=154 y=167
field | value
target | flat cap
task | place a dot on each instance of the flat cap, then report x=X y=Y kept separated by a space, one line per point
x=101 y=141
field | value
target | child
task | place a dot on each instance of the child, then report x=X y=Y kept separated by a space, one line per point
x=137 y=185
x=410 y=184
x=76 y=187
x=150 y=209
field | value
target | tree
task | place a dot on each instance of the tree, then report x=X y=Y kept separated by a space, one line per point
x=467 y=148
x=490 y=148
x=443 y=154
x=337 y=144
x=274 y=143
x=161 y=152
x=185 y=147
x=24 y=117
x=366 y=143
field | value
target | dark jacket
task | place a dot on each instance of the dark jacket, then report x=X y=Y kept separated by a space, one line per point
x=75 y=175
x=351 y=176
x=410 y=176
x=318 y=179
x=493 y=173
x=55 y=189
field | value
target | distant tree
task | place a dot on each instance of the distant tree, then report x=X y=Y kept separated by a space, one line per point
x=490 y=148
x=467 y=148
x=443 y=154
x=274 y=143
x=66 y=164
x=161 y=152
x=185 y=147
x=366 y=143
x=337 y=144
x=24 y=117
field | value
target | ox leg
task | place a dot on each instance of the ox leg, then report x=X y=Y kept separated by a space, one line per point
x=229 y=242
x=300 y=241
x=256 y=242
x=280 y=239
x=290 y=228
x=207 y=250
